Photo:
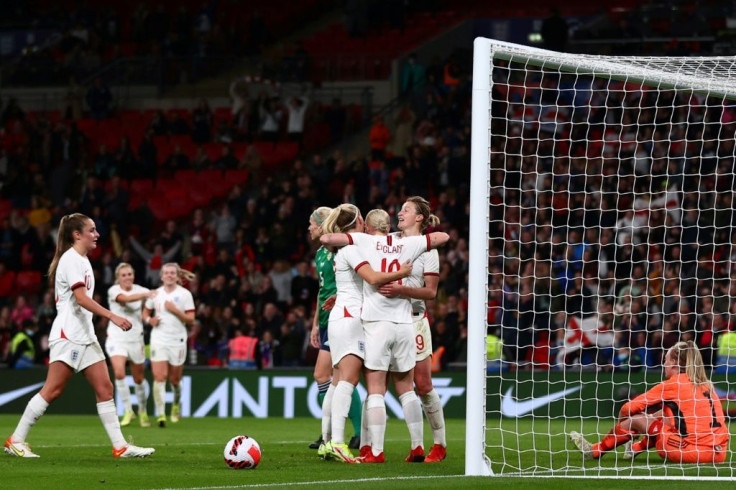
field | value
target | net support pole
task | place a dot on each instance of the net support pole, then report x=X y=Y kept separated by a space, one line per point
x=476 y=462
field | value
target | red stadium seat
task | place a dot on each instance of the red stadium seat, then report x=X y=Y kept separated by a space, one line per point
x=7 y=282
x=28 y=282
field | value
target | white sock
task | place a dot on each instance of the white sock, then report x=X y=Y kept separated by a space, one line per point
x=375 y=415
x=35 y=408
x=327 y=414
x=109 y=416
x=177 y=393
x=159 y=397
x=140 y=393
x=341 y=400
x=436 y=416
x=124 y=393
x=413 y=417
x=365 y=437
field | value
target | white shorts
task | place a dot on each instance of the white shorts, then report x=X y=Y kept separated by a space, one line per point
x=135 y=352
x=389 y=346
x=422 y=338
x=76 y=356
x=346 y=337
x=173 y=354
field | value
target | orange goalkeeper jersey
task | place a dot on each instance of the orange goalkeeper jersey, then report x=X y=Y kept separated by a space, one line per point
x=696 y=412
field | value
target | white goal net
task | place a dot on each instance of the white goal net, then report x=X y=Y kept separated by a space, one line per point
x=602 y=233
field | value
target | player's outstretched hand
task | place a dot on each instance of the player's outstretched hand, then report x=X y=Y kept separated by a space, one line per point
x=122 y=322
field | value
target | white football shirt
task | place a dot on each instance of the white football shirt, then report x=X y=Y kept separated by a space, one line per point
x=131 y=310
x=349 y=284
x=170 y=330
x=386 y=254
x=428 y=264
x=73 y=322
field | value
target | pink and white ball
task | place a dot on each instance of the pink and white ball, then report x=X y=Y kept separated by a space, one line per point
x=242 y=453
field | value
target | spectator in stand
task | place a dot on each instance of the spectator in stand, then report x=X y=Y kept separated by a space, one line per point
x=270 y=114
x=304 y=286
x=271 y=319
x=202 y=122
x=227 y=161
x=280 y=275
x=413 y=81
x=224 y=224
x=297 y=107
x=99 y=99
x=201 y=160
x=379 y=138
x=555 y=31
x=154 y=259
x=336 y=118
x=177 y=125
x=147 y=154
x=291 y=338
x=178 y=160
x=21 y=312
x=269 y=351
x=23 y=346
x=125 y=160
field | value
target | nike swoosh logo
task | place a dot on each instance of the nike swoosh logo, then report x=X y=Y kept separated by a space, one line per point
x=516 y=408
x=12 y=395
x=18 y=452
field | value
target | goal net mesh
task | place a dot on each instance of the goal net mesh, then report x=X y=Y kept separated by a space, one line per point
x=611 y=237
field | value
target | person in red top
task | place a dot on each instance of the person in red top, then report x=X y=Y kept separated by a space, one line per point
x=379 y=138
x=682 y=416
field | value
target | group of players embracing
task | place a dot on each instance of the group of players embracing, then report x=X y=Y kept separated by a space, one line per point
x=377 y=324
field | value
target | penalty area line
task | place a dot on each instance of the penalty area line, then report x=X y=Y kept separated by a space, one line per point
x=316 y=482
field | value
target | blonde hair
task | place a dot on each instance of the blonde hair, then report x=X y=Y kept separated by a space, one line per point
x=121 y=266
x=65 y=239
x=379 y=220
x=320 y=214
x=180 y=273
x=341 y=219
x=687 y=356
x=422 y=207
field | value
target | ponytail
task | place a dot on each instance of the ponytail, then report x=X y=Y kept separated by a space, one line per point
x=422 y=207
x=687 y=356
x=180 y=273
x=341 y=219
x=65 y=239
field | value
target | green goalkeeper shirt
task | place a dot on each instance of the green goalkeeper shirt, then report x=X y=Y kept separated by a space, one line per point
x=327 y=286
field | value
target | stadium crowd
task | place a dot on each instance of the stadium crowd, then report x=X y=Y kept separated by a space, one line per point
x=250 y=251
x=623 y=214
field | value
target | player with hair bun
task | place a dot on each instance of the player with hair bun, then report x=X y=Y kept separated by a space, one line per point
x=347 y=341
x=174 y=308
x=389 y=333
x=688 y=425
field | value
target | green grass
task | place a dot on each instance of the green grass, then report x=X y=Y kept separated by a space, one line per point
x=75 y=452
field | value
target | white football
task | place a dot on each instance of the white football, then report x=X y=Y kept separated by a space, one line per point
x=242 y=453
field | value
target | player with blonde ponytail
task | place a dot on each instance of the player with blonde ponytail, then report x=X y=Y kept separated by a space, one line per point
x=688 y=428
x=174 y=312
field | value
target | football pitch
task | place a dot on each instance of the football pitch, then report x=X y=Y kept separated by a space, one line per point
x=75 y=452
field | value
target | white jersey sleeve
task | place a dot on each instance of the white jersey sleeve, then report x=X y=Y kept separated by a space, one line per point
x=73 y=322
x=170 y=330
x=349 y=301
x=131 y=310
x=428 y=264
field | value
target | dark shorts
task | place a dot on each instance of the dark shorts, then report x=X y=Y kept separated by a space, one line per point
x=323 y=340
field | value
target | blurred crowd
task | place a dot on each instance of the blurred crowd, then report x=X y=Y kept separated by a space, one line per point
x=250 y=251
x=614 y=201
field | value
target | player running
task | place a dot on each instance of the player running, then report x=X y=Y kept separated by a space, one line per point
x=126 y=299
x=345 y=329
x=174 y=307
x=319 y=339
x=389 y=333
x=73 y=344
x=688 y=427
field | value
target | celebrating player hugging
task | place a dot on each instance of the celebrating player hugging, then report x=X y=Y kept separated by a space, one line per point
x=387 y=327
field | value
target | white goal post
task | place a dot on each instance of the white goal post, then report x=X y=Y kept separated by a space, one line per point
x=602 y=231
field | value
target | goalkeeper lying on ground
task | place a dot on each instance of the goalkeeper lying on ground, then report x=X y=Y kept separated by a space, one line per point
x=688 y=427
